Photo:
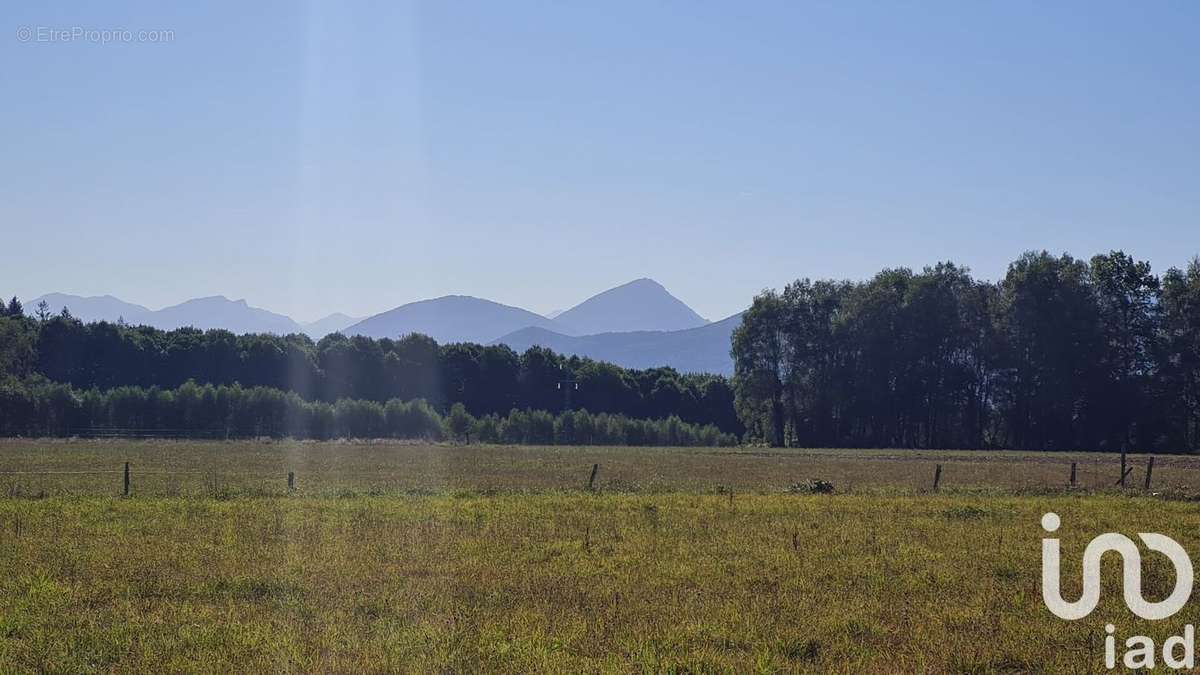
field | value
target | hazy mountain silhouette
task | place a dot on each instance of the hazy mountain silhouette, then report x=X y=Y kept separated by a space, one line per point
x=217 y=311
x=642 y=304
x=452 y=318
x=638 y=324
x=91 y=308
x=703 y=349
x=329 y=324
x=212 y=312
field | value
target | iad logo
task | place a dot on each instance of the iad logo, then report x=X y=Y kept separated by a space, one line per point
x=1177 y=651
x=1132 y=564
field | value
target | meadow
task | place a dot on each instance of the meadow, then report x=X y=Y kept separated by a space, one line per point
x=394 y=557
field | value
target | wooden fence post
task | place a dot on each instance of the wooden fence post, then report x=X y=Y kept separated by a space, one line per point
x=1149 y=470
x=1123 y=471
x=126 y=479
x=1074 y=466
x=291 y=481
x=937 y=476
x=592 y=478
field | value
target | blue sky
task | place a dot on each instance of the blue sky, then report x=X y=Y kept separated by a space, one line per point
x=355 y=156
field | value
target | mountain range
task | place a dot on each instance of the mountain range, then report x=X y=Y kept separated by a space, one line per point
x=215 y=311
x=638 y=324
x=698 y=350
x=642 y=304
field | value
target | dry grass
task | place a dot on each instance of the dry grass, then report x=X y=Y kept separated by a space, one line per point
x=173 y=468
x=478 y=576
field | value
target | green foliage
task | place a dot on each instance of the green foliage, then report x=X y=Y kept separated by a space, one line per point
x=37 y=407
x=1179 y=374
x=485 y=379
x=459 y=422
x=1060 y=354
x=18 y=338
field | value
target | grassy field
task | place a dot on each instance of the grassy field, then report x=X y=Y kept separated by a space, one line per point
x=214 y=468
x=439 y=559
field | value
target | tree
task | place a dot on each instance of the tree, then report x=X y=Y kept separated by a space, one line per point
x=759 y=351
x=1180 y=359
x=17 y=346
x=459 y=423
x=42 y=312
x=1050 y=319
x=15 y=308
x=1128 y=301
x=1061 y=354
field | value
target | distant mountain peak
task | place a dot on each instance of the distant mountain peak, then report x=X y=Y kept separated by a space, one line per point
x=332 y=323
x=90 y=308
x=215 y=300
x=641 y=304
x=449 y=318
x=213 y=311
x=218 y=311
x=704 y=349
x=336 y=315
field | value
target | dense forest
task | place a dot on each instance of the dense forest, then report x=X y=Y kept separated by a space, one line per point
x=97 y=359
x=1060 y=354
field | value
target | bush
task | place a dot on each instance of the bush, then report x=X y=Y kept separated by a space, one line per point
x=459 y=422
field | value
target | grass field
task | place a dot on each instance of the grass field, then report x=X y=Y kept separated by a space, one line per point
x=445 y=559
x=215 y=468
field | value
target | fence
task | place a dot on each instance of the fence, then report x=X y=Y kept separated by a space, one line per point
x=127 y=479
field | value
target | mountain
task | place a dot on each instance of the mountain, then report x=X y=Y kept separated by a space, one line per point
x=642 y=304
x=218 y=311
x=92 y=308
x=452 y=318
x=638 y=324
x=697 y=350
x=330 y=324
x=212 y=312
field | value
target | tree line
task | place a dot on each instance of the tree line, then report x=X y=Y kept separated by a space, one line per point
x=1060 y=354
x=38 y=407
x=487 y=380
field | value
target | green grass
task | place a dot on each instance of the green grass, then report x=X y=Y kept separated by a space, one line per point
x=493 y=559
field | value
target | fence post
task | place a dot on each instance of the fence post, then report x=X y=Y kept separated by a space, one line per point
x=291 y=481
x=937 y=476
x=1149 y=470
x=1123 y=471
x=1074 y=466
x=126 y=479
x=592 y=478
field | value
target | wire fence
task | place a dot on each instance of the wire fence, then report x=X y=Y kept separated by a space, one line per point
x=127 y=479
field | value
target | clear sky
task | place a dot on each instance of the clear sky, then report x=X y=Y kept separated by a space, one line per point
x=355 y=156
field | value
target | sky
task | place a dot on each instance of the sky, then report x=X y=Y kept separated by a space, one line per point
x=351 y=156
